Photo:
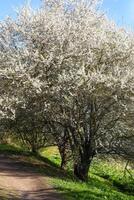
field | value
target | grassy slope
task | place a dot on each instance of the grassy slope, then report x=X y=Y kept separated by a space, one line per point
x=106 y=179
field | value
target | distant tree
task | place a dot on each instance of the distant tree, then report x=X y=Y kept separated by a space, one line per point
x=5 y=127
x=29 y=127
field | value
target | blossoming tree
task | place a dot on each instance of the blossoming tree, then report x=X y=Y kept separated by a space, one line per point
x=80 y=64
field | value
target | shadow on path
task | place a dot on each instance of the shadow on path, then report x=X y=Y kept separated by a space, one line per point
x=20 y=181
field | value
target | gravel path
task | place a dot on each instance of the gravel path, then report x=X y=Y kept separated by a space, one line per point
x=19 y=182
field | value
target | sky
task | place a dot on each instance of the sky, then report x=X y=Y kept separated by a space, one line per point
x=8 y=7
x=121 y=11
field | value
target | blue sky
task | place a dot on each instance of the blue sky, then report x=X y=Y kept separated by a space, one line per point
x=121 y=11
x=7 y=7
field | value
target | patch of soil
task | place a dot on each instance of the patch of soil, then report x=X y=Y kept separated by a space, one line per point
x=20 y=182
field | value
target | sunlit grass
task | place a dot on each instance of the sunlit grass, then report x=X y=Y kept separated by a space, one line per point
x=106 y=180
x=52 y=153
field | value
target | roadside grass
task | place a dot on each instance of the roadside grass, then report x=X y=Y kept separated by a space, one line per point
x=106 y=178
x=52 y=154
x=8 y=149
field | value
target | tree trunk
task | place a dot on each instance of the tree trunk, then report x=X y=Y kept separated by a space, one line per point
x=81 y=170
x=64 y=153
x=82 y=165
x=64 y=149
x=63 y=159
x=34 y=150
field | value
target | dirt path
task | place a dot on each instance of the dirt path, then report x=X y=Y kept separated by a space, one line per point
x=19 y=182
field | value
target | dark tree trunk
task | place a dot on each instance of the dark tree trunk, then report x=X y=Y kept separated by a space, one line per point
x=81 y=170
x=83 y=162
x=64 y=158
x=34 y=150
x=64 y=149
x=64 y=153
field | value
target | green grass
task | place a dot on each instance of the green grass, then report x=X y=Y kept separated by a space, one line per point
x=106 y=180
x=51 y=153
x=12 y=149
